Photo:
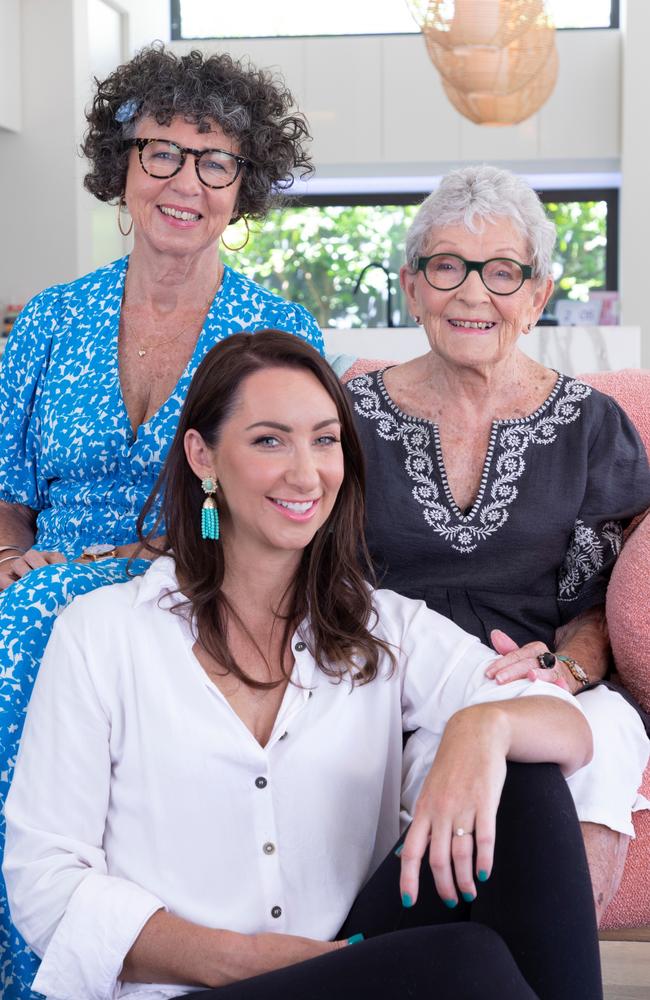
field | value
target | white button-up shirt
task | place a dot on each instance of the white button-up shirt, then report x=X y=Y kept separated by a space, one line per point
x=138 y=787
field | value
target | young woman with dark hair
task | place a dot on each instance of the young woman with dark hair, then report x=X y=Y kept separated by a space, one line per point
x=207 y=794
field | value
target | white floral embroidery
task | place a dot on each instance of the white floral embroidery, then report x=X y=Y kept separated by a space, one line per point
x=509 y=442
x=586 y=556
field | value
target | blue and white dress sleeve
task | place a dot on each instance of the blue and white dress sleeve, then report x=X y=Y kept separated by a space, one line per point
x=617 y=487
x=24 y=366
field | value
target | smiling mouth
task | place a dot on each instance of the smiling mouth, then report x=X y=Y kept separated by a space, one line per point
x=295 y=506
x=470 y=324
x=175 y=213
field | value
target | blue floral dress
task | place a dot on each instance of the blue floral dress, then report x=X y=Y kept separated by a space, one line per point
x=68 y=452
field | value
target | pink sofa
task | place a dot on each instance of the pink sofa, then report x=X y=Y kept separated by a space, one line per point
x=628 y=615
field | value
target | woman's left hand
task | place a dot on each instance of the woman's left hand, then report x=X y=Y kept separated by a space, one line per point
x=520 y=662
x=460 y=793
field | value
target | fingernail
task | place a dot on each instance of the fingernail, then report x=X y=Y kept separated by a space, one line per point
x=407 y=900
x=450 y=903
x=356 y=938
x=483 y=876
x=398 y=850
x=469 y=897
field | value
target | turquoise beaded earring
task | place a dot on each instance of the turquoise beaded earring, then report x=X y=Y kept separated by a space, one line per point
x=209 y=511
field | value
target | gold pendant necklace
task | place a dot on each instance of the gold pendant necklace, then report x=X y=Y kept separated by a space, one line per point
x=143 y=348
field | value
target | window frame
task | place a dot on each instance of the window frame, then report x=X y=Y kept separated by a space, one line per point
x=176 y=36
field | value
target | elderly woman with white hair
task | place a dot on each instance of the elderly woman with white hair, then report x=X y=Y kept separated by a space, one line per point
x=498 y=489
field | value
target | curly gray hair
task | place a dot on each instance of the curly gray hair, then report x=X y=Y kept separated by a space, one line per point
x=476 y=195
x=251 y=105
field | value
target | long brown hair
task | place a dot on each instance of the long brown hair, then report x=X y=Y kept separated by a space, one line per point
x=329 y=588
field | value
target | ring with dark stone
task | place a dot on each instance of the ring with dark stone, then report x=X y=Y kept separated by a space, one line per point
x=546 y=660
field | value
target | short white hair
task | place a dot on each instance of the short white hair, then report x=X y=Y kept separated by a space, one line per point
x=476 y=195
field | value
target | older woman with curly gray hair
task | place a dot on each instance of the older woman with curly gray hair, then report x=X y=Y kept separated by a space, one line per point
x=498 y=489
x=96 y=371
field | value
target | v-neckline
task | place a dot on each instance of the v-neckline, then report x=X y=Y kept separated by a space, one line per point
x=135 y=436
x=465 y=518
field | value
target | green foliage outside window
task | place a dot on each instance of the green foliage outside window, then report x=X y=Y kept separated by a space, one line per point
x=581 y=247
x=314 y=255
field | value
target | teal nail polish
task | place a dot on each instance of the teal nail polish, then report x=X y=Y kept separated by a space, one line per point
x=483 y=876
x=356 y=938
x=407 y=900
x=398 y=850
x=450 y=903
x=469 y=897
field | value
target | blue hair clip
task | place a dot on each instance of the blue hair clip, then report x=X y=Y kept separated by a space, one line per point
x=127 y=111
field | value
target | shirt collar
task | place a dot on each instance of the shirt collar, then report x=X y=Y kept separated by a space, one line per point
x=159 y=585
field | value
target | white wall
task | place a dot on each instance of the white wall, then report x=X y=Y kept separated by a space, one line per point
x=376 y=106
x=635 y=164
x=10 y=98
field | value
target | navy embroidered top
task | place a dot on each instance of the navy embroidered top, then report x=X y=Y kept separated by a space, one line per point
x=66 y=445
x=544 y=531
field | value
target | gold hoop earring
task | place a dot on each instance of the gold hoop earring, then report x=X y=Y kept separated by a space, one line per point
x=241 y=247
x=120 y=205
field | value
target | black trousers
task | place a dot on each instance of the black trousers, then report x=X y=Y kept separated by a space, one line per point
x=530 y=933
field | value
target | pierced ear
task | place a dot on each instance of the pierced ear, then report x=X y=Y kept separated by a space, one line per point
x=200 y=457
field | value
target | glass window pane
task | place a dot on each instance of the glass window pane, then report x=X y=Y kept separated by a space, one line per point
x=315 y=255
x=580 y=13
x=580 y=256
x=259 y=18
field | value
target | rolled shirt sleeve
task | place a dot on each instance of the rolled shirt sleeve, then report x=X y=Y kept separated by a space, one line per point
x=80 y=920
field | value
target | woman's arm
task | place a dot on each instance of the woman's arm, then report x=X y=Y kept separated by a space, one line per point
x=17 y=524
x=463 y=787
x=585 y=639
x=172 y=950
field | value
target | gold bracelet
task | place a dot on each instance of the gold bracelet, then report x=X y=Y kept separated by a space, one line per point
x=10 y=558
x=579 y=673
x=12 y=548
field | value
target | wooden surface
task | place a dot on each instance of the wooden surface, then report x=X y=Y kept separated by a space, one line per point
x=626 y=969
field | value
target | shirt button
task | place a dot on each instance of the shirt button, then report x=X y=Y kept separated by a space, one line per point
x=300 y=647
x=268 y=847
x=261 y=782
x=276 y=911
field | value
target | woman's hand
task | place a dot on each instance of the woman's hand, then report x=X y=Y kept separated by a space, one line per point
x=520 y=662
x=461 y=792
x=275 y=951
x=21 y=565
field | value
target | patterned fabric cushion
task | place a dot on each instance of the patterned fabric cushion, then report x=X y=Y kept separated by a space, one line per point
x=628 y=616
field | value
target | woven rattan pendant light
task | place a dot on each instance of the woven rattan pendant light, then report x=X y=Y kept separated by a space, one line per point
x=497 y=58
